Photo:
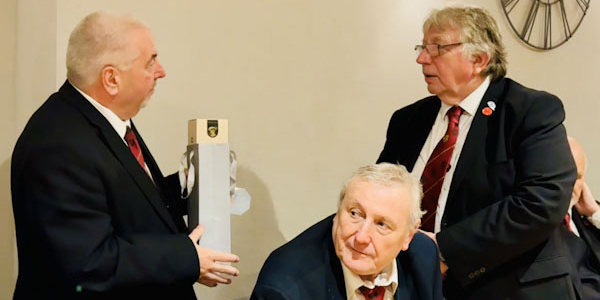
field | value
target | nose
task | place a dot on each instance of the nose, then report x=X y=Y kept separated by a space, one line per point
x=159 y=71
x=423 y=57
x=363 y=234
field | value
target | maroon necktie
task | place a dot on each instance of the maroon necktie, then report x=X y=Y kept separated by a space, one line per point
x=376 y=293
x=567 y=222
x=134 y=146
x=436 y=168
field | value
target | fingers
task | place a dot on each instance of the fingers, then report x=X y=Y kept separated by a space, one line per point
x=443 y=269
x=212 y=279
x=196 y=234
x=225 y=269
x=214 y=267
x=224 y=257
x=586 y=193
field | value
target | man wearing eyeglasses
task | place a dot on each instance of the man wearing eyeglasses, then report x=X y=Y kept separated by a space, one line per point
x=495 y=165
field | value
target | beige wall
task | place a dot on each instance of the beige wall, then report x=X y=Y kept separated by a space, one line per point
x=308 y=87
x=8 y=35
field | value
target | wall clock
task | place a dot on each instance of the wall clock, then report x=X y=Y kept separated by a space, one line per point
x=545 y=24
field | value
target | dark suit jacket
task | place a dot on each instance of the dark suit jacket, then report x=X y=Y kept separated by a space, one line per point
x=585 y=252
x=307 y=268
x=510 y=190
x=90 y=223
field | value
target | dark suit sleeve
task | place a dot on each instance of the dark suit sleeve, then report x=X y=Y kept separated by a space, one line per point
x=425 y=268
x=174 y=192
x=266 y=292
x=65 y=195
x=544 y=173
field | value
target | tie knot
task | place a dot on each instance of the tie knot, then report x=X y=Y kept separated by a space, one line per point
x=454 y=114
x=129 y=135
x=374 y=293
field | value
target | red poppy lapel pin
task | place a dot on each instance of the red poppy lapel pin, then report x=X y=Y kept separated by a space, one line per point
x=489 y=109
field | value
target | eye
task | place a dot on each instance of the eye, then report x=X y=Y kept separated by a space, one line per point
x=383 y=227
x=355 y=213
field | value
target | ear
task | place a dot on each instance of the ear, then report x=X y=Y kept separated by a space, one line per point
x=111 y=80
x=411 y=235
x=480 y=62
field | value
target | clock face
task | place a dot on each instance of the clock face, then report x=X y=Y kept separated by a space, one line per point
x=545 y=24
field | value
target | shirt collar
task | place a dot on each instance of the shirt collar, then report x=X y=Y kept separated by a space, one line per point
x=119 y=125
x=389 y=276
x=471 y=102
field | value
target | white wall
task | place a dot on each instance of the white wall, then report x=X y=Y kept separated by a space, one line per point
x=308 y=87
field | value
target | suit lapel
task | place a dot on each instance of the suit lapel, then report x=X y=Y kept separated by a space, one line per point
x=115 y=143
x=476 y=137
x=159 y=183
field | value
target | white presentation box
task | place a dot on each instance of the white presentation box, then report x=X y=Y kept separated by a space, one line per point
x=209 y=201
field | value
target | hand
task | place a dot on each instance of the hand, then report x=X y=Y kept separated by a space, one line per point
x=431 y=235
x=443 y=269
x=443 y=265
x=587 y=205
x=211 y=270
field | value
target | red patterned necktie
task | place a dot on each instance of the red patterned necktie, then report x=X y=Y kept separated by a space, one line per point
x=376 y=293
x=567 y=222
x=134 y=146
x=436 y=168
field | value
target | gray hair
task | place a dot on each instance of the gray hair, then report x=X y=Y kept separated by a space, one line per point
x=100 y=39
x=387 y=174
x=479 y=32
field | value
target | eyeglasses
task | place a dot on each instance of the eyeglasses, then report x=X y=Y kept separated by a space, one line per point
x=434 y=49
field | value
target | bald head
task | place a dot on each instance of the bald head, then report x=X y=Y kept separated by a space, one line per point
x=578 y=155
x=100 y=39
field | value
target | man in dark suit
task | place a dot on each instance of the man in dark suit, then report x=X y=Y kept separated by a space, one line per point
x=493 y=158
x=582 y=229
x=95 y=218
x=367 y=250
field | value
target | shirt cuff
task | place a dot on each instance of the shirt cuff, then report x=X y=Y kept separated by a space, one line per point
x=595 y=219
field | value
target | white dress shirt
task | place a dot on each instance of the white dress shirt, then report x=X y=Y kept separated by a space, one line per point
x=470 y=105
x=388 y=278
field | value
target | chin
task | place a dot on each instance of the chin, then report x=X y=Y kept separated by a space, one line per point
x=145 y=102
x=361 y=266
x=432 y=89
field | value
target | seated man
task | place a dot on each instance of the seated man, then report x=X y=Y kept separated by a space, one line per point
x=369 y=249
x=584 y=224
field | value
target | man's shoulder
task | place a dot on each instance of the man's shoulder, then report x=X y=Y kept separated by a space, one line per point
x=418 y=108
x=516 y=94
x=301 y=262
x=57 y=118
x=307 y=244
x=422 y=247
x=429 y=102
x=56 y=127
